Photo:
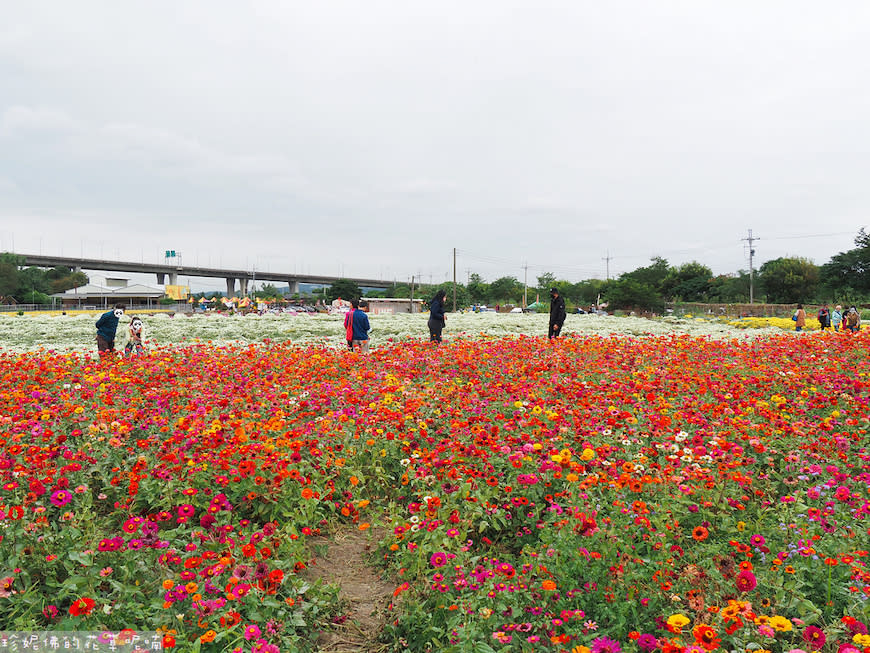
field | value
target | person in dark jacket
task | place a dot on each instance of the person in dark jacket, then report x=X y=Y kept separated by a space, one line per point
x=107 y=326
x=437 y=319
x=824 y=317
x=557 y=313
x=360 y=325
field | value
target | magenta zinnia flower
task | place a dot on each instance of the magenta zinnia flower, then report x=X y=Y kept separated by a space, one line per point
x=647 y=642
x=438 y=559
x=745 y=581
x=60 y=498
x=815 y=637
x=605 y=645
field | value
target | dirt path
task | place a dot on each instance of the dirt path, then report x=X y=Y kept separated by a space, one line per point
x=365 y=595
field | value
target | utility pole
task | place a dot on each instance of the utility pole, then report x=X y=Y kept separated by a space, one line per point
x=750 y=239
x=412 y=293
x=454 y=279
x=525 y=284
x=467 y=276
x=607 y=258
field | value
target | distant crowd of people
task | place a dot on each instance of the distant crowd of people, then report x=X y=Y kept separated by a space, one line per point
x=849 y=320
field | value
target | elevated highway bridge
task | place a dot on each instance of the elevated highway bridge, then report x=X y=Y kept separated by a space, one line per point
x=171 y=272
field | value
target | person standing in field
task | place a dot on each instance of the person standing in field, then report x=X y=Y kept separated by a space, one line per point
x=135 y=337
x=800 y=318
x=360 y=325
x=837 y=317
x=557 y=314
x=348 y=327
x=437 y=319
x=853 y=320
x=824 y=317
x=107 y=327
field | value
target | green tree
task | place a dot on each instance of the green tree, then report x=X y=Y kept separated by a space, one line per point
x=268 y=291
x=505 y=290
x=789 y=280
x=478 y=290
x=585 y=293
x=849 y=272
x=70 y=280
x=463 y=297
x=35 y=297
x=629 y=293
x=730 y=288
x=545 y=282
x=8 y=279
x=344 y=289
x=32 y=280
x=652 y=275
x=690 y=282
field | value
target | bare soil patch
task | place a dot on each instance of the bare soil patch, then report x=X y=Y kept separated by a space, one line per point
x=363 y=592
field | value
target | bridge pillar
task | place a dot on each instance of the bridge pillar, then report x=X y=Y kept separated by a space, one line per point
x=294 y=286
x=231 y=287
x=243 y=287
x=173 y=278
x=161 y=278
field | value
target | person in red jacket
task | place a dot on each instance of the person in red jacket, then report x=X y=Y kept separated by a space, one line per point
x=348 y=327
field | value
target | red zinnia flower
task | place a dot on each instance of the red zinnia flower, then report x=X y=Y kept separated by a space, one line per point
x=82 y=606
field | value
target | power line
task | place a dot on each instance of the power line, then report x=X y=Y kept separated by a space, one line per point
x=839 y=233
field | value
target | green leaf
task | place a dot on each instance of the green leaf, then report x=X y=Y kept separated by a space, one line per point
x=81 y=558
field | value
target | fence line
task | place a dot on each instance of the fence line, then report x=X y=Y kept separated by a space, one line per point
x=137 y=308
x=740 y=310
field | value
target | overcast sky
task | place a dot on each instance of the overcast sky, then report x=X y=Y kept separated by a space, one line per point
x=371 y=138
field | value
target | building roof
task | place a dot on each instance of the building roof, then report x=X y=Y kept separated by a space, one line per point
x=93 y=290
x=403 y=300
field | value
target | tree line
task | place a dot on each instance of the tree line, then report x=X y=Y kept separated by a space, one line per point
x=32 y=285
x=844 y=279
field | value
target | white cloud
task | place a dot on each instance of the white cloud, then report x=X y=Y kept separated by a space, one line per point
x=19 y=120
x=541 y=131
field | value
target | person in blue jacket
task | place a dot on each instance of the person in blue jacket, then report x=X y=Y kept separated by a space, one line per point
x=360 y=325
x=437 y=320
x=107 y=326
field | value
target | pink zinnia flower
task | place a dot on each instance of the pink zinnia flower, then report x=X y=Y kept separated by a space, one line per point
x=745 y=581
x=252 y=632
x=815 y=637
x=605 y=645
x=60 y=498
x=438 y=559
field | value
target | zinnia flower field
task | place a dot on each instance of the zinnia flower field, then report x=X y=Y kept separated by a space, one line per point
x=600 y=493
